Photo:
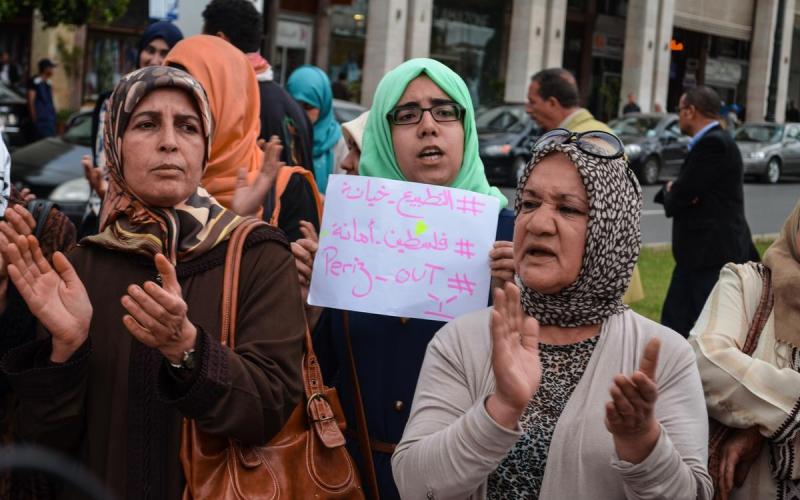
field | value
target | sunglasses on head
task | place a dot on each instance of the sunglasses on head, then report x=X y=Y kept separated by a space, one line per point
x=595 y=142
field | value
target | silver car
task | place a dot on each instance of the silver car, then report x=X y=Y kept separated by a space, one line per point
x=769 y=150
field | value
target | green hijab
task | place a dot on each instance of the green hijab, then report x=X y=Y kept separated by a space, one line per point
x=377 y=155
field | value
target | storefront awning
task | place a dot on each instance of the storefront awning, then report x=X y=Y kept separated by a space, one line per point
x=712 y=26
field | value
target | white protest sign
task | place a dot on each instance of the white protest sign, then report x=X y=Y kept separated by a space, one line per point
x=403 y=248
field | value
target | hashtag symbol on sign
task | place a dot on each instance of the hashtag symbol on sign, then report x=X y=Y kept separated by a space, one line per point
x=465 y=248
x=461 y=284
x=469 y=206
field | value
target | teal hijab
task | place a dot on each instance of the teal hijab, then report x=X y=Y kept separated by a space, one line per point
x=377 y=155
x=311 y=85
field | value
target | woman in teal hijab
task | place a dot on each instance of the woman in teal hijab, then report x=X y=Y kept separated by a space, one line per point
x=421 y=128
x=311 y=87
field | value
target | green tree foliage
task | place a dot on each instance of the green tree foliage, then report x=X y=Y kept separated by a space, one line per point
x=66 y=11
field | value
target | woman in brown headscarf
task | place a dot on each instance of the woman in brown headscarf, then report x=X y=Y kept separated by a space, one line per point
x=126 y=359
x=747 y=342
x=236 y=158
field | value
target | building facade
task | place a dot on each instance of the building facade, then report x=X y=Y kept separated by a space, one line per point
x=654 y=49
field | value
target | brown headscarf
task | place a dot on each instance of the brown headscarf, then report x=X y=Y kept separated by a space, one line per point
x=228 y=78
x=783 y=260
x=127 y=224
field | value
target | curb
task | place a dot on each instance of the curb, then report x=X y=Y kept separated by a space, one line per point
x=665 y=245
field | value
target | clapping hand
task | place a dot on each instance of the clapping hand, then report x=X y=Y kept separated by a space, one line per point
x=95 y=176
x=630 y=415
x=157 y=316
x=27 y=195
x=18 y=222
x=515 y=357
x=54 y=295
x=248 y=199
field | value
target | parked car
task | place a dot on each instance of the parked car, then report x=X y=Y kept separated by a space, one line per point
x=769 y=150
x=344 y=111
x=52 y=169
x=505 y=136
x=654 y=144
x=14 y=124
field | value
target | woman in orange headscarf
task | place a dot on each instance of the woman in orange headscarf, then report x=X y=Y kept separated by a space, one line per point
x=236 y=157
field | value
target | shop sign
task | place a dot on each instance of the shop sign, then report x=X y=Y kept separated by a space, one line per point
x=461 y=16
x=166 y=10
x=609 y=37
x=723 y=71
x=293 y=34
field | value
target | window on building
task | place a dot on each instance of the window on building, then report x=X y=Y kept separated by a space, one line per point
x=470 y=36
x=348 y=42
x=110 y=55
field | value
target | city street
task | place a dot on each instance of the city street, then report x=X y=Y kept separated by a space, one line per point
x=767 y=207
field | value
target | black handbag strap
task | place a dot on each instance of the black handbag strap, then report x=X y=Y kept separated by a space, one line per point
x=40 y=210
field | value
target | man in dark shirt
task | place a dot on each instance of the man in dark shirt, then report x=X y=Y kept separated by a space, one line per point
x=238 y=22
x=792 y=113
x=631 y=106
x=9 y=72
x=339 y=88
x=40 y=101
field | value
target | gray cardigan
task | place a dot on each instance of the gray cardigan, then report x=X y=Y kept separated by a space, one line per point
x=451 y=444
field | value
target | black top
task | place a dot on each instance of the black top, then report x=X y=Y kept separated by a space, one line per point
x=282 y=116
x=706 y=203
x=631 y=107
x=340 y=90
x=297 y=203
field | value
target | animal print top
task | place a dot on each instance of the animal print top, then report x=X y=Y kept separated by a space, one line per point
x=520 y=474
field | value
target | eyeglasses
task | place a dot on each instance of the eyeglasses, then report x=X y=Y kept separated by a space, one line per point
x=595 y=142
x=411 y=115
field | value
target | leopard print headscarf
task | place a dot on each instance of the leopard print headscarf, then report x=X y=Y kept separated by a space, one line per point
x=613 y=238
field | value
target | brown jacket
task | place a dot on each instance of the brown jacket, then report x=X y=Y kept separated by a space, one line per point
x=117 y=405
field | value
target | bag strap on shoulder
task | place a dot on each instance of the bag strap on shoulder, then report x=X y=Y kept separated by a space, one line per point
x=364 y=443
x=318 y=409
x=763 y=310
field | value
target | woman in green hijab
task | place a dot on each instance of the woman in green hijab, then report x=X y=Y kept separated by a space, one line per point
x=421 y=128
x=403 y=142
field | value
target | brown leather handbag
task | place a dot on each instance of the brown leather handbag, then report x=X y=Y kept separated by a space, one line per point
x=306 y=459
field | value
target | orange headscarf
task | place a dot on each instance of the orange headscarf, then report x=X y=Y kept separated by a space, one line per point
x=230 y=82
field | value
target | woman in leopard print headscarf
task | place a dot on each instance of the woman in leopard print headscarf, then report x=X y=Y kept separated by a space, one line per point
x=613 y=237
x=514 y=401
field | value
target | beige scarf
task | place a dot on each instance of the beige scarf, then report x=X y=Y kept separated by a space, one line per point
x=783 y=260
